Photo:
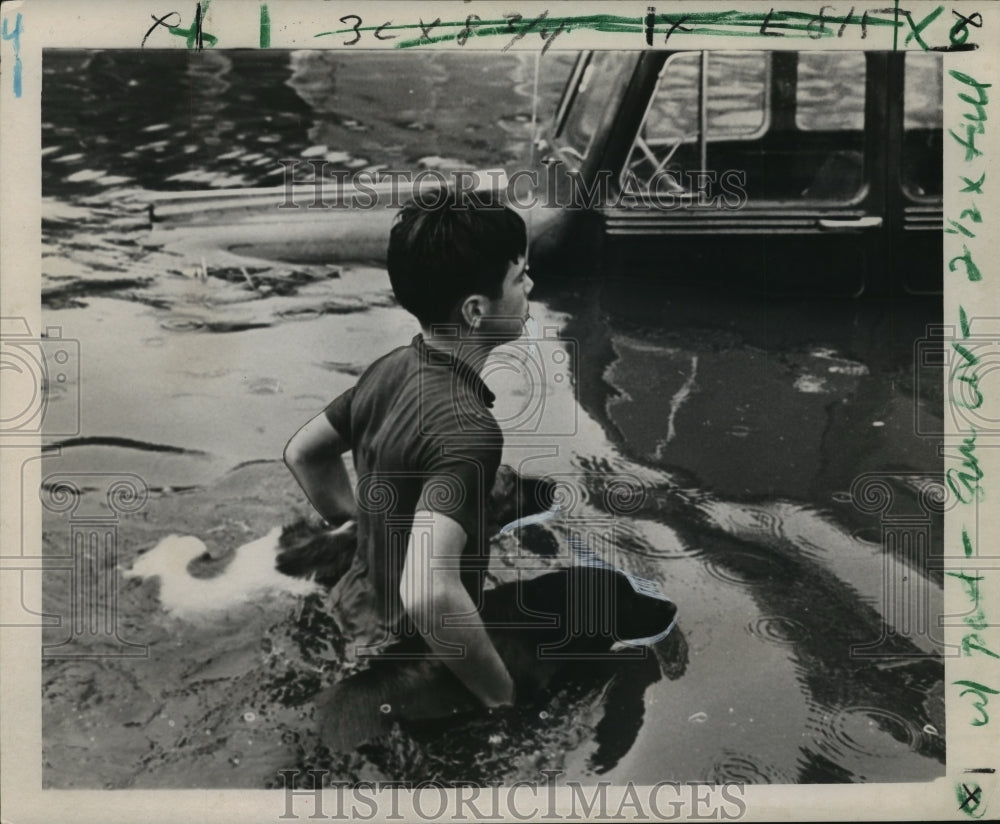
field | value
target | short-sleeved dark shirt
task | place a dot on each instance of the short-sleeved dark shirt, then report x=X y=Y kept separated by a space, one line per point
x=423 y=438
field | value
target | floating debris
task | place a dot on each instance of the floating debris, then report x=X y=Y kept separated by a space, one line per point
x=246 y=276
x=856 y=370
x=810 y=384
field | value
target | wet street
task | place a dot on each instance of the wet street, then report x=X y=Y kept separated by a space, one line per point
x=738 y=452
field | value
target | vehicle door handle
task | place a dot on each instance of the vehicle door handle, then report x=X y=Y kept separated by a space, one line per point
x=867 y=222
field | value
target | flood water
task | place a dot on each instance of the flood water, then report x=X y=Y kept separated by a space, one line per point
x=735 y=428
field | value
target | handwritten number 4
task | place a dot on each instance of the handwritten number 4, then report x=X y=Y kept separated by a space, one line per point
x=15 y=38
x=513 y=21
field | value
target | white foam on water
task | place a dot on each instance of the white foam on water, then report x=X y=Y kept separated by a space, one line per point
x=250 y=573
x=810 y=384
x=840 y=365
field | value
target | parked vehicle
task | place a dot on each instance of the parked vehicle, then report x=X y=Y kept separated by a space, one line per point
x=815 y=171
x=811 y=172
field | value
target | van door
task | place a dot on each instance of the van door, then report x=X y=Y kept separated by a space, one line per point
x=915 y=218
x=763 y=170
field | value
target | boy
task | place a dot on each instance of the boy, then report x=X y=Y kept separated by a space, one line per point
x=426 y=447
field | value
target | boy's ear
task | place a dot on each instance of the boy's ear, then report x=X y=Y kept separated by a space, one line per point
x=471 y=310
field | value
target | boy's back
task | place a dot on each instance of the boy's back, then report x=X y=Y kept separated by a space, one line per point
x=426 y=448
x=423 y=438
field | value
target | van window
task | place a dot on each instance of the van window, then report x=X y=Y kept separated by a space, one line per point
x=830 y=91
x=922 y=126
x=736 y=99
x=603 y=75
x=791 y=124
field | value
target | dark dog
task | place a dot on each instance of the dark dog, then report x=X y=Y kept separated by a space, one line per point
x=540 y=627
x=310 y=551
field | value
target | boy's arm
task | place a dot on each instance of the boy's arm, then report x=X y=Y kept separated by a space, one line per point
x=431 y=588
x=314 y=457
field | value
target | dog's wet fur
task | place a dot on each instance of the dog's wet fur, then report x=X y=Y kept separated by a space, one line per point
x=307 y=550
x=540 y=626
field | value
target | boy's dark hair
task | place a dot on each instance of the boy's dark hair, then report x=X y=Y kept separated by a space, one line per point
x=445 y=246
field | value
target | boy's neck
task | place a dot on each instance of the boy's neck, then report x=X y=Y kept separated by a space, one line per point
x=469 y=350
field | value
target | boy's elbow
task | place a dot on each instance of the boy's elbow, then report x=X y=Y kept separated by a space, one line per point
x=423 y=602
x=301 y=448
x=314 y=442
x=293 y=454
x=415 y=601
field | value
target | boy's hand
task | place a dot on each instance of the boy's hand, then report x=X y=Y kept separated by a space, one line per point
x=508 y=704
x=505 y=702
x=347 y=529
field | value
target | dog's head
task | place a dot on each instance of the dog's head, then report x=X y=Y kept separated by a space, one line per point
x=515 y=496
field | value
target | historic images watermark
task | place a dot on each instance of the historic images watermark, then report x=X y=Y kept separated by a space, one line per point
x=913 y=624
x=967 y=358
x=589 y=540
x=92 y=628
x=41 y=401
x=524 y=800
x=42 y=382
x=310 y=184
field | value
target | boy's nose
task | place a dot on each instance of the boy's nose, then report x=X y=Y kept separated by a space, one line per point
x=529 y=284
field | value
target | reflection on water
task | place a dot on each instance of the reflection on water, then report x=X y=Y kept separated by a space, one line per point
x=829 y=93
x=227 y=119
x=712 y=450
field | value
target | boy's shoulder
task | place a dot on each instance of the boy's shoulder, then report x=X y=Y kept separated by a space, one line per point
x=379 y=368
x=448 y=395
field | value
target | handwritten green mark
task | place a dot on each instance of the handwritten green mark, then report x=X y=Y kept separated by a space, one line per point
x=194 y=35
x=265 y=27
x=725 y=23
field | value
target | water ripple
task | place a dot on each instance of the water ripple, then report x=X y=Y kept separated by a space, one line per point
x=870 y=535
x=744 y=566
x=180 y=323
x=739 y=768
x=777 y=629
x=869 y=731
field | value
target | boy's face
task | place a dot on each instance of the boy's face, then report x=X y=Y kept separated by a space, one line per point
x=503 y=317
